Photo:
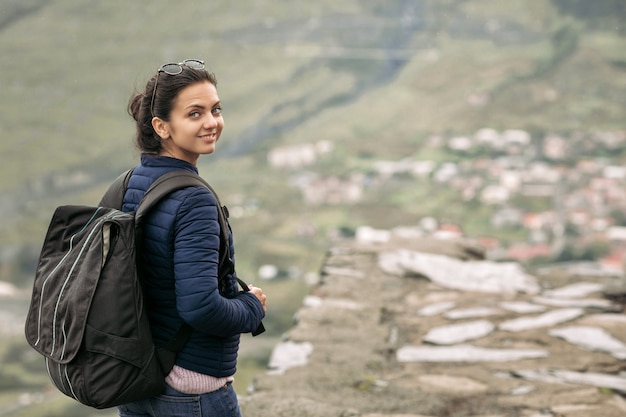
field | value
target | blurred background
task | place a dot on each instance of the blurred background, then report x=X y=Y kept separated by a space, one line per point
x=502 y=122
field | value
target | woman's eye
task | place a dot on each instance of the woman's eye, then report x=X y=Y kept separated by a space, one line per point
x=194 y=114
x=217 y=110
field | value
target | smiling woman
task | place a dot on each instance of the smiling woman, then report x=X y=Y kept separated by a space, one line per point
x=194 y=125
x=179 y=97
x=178 y=119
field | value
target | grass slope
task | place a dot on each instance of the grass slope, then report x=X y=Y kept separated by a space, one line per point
x=375 y=78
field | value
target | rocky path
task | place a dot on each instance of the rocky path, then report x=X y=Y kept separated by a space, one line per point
x=426 y=328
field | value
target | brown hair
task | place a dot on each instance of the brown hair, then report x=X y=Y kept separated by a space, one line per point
x=168 y=88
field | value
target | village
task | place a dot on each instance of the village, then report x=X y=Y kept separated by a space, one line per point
x=565 y=192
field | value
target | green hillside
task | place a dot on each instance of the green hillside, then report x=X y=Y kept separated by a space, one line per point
x=376 y=78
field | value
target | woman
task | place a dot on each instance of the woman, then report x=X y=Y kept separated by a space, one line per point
x=179 y=118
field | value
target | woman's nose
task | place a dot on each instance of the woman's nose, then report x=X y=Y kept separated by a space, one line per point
x=210 y=121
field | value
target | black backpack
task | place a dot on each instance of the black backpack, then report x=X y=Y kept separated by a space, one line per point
x=87 y=315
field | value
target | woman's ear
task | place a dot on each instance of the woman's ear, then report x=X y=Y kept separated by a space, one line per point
x=161 y=128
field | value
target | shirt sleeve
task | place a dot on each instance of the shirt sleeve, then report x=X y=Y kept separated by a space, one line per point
x=196 y=261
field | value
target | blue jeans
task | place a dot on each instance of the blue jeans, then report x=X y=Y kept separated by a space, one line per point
x=222 y=403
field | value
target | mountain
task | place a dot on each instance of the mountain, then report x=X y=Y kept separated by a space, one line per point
x=374 y=78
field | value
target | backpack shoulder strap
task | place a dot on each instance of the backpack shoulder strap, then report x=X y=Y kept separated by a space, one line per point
x=162 y=186
x=114 y=196
x=176 y=180
x=166 y=184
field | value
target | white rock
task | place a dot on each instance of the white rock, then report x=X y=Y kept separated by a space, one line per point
x=580 y=289
x=584 y=378
x=268 y=272
x=592 y=338
x=551 y=318
x=457 y=333
x=467 y=313
x=574 y=302
x=522 y=307
x=340 y=303
x=523 y=390
x=366 y=234
x=312 y=301
x=436 y=308
x=465 y=353
x=288 y=355
x=7 y=289
x=481 y=276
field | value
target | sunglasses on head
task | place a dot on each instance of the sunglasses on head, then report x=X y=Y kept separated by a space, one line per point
x=174 y=69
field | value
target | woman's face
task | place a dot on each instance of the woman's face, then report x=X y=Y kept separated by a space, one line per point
x=195 y=123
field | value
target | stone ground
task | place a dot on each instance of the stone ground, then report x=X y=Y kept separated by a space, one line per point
x=373 y=343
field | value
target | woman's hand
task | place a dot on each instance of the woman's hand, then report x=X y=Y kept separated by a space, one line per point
x=259 y=294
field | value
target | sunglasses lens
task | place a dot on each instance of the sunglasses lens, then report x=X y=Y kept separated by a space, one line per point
x=194 y=64
x=172 y=69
